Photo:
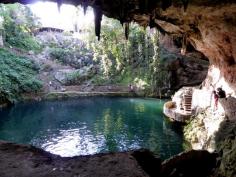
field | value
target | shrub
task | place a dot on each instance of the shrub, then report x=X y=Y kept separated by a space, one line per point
x=59 y=54
x=17 y=75
x=73 y=78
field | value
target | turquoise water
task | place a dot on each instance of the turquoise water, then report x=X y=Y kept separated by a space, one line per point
x=91 y=125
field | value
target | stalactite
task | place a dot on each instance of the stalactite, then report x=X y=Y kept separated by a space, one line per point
x=143 y=6
x=122 y=22
x=184 y=44
x=122 y=12
x=165 y=4
x=185 y=3
x=151 y=5
x=127 y=31
x=152 y=23
x=59 y=3
x=85 y=6
x=97 y=18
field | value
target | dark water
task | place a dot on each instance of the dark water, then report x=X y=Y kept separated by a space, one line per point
x=91 y=125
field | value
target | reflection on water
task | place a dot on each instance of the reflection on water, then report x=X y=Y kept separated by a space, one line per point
x=91 y=125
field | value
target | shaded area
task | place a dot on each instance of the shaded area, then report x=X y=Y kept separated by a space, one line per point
x=23 y=161
x=225 y=140
x=192 y=163
x=26 y=161
x=226 y=146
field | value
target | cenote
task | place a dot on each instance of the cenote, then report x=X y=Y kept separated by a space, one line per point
x=92 y=125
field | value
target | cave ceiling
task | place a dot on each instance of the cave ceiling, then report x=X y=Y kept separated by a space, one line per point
x=146 y=12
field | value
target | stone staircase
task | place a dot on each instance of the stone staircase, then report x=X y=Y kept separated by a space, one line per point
x=187 y=101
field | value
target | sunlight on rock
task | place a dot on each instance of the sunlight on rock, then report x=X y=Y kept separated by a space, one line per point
x=140 y=84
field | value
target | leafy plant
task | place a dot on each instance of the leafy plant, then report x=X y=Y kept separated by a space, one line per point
x=18 y=26
x=59 y=54
x=17 y=75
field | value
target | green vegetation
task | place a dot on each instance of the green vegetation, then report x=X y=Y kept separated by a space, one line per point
x=133 y=61
x=18 y=26
x=112 y=60
x=17 y=76
x=61 y=54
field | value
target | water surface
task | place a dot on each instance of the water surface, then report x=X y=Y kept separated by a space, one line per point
x=91 y=125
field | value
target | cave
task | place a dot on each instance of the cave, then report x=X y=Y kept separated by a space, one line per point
x=206 y=26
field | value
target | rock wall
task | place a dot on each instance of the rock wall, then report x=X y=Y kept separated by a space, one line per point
x=183 y=70
x=210 y=29
x=226 y=145
x=215 y=130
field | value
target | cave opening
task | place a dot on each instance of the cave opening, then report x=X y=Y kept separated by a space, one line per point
x=189 y=51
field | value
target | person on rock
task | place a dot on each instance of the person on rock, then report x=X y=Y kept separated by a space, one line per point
x=131 y=88
x=221 y=93
x=216 y=98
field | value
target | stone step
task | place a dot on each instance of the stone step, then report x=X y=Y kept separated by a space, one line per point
x=188 y=109
x=187 y=106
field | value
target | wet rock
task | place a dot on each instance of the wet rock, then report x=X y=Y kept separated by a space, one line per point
x=192 y=163
x=148 y=162
x=226 y=146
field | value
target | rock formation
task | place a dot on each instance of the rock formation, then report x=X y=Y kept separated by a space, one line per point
x=183 y=70
x=208 y=25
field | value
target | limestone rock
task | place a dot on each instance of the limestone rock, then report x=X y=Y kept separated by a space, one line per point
x=62 y=75
x=226 y=145
x=191 y=163
x=229 y=105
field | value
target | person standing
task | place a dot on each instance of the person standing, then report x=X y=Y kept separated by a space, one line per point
x=216 y=98
x=221 y=93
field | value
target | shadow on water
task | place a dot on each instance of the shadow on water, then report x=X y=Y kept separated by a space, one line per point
x=92 y=125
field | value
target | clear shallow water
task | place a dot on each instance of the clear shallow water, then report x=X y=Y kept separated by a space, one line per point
x=91 y=125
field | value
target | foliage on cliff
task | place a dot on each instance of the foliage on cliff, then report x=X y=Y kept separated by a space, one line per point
x=18 y=25
x=17 y=75
x=135 y=60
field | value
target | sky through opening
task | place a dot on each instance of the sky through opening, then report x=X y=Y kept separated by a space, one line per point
x=65 y=19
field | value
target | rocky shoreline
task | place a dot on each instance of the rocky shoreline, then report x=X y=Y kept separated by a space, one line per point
x=25 y=160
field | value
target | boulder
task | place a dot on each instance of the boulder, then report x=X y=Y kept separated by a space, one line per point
x=192 y=163
x=62 y=75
